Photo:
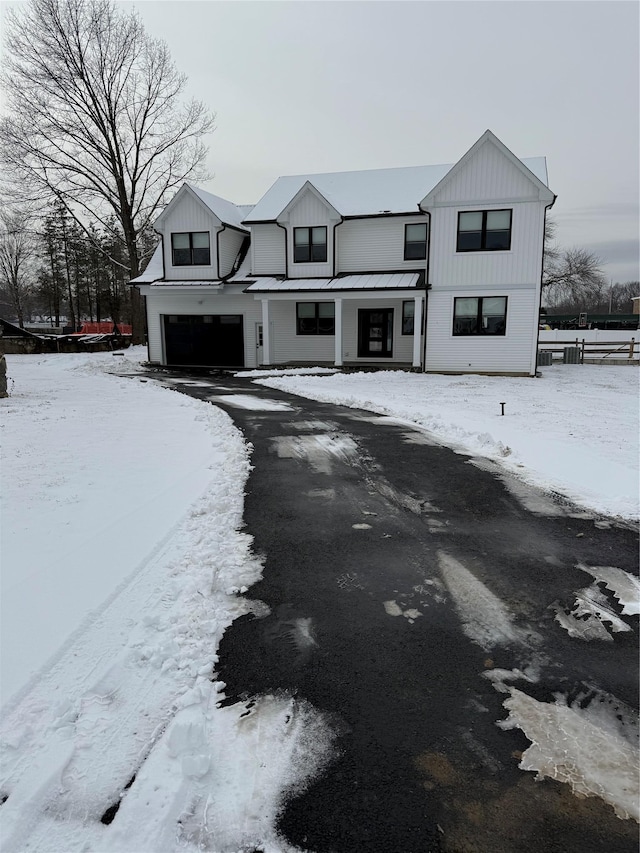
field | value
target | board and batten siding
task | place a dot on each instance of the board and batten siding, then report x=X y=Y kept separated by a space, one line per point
x=229 y=242
x=402 y=344
x=267 y=249
x=189 y=215
x=520 y=265
x=489 y=176
x=309 y=211
x=199 y=303
x=287 y=346
x=365 y=245
x=511 y=353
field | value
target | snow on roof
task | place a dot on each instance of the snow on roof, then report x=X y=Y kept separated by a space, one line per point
x=367 y=192
x=244 y=270
x=154 y=269
x=368 y=281
x=226 y=211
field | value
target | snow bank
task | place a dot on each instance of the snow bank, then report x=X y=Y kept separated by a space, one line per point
x=122 y=537
x=572 y=431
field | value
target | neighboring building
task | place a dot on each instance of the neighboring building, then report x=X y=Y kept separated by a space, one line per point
x=437 y=268
x=636 y=304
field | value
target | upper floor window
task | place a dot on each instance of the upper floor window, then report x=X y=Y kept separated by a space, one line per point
x=190 y=249
x=415 y=241
x=484 y=230
x=315 y=318
x=480 y=315
x=310 y=245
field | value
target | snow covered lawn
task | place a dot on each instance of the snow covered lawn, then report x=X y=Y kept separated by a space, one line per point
x=572 y=431
x=122 y=557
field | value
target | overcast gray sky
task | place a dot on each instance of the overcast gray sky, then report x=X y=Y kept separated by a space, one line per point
x=330 y=86
x=360 y=84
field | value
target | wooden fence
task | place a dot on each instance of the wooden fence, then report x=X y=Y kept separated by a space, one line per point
x=598 y=350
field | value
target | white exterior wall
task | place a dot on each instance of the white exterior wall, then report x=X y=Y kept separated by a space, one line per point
x=487 y=176
x=488 y=181
x=310 y=212
x=229 y=242
x=287 y=346
x=267 y=250
x=520 y=265
x=233 y=301
x=190 y=215
x=402 y=344
x=367 y=245
x=511 y=353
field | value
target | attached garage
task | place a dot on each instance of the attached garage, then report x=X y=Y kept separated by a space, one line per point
x=209 y=340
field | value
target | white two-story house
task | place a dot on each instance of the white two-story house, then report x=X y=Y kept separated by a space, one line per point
x=437 y=268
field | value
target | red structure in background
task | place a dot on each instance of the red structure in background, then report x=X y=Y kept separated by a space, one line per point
x=104 y=328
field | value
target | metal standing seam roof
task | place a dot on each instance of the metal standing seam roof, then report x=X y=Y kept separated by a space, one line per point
x=214 y=282
x=367 y=281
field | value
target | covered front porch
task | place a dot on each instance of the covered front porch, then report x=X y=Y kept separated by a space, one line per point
x=360 y=320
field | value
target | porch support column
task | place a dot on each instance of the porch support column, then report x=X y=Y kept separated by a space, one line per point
x=417 y=329
x=266 y=338
x=338 y=330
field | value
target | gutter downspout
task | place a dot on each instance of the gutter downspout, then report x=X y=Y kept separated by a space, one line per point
x=286 y=249
x=337 y=225
x=218 y=233
x=535 y=352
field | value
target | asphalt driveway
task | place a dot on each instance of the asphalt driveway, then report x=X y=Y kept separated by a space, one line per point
x=405 y=584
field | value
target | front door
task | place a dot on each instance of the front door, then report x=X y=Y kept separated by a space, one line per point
x=375 y=332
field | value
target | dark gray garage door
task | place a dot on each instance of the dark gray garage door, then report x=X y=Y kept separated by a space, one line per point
x=215 y=340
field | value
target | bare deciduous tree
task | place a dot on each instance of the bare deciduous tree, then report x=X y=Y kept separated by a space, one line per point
x=17 y=251
x=569 y=274
x=95 y=116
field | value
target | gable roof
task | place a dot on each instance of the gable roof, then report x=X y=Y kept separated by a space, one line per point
x=373 y=192
x=308 y=187
x=533 y=168
x=154 y=269
x=226 y=211
x=367 y=192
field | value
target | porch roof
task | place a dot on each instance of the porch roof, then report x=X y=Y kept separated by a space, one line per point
x=363 y=281
x=215 y=282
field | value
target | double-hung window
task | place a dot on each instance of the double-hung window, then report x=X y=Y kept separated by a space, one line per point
x=190 y=249
x=484 y=231
x=415 y=241
x=480 y=315
x=315 y=318
x=310 y=245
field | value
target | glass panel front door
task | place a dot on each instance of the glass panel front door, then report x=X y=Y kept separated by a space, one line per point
x=375 y=332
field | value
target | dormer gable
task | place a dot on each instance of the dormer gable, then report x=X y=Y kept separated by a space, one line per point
x=223 y=212
x=310 y=205
x=490 y=172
